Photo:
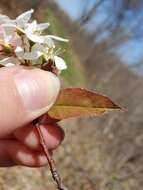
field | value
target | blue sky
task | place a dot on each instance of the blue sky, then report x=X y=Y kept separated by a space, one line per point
x=70 y=6
x=130 y=52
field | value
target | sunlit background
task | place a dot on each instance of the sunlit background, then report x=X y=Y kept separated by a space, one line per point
x=104 y=54
x=108 y=16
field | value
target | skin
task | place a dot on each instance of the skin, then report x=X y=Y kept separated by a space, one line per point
x=19 y=141
x=21 y=147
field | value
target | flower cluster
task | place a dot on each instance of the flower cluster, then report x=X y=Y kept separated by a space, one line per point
x=23 y=43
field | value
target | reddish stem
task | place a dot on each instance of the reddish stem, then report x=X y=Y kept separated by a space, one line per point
x=51 y=162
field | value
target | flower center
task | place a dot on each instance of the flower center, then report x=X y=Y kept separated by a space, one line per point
x=7 y=48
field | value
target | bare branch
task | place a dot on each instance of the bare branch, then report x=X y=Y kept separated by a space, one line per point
x=90 y=13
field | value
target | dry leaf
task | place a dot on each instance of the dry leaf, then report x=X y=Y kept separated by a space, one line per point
x=75 y=102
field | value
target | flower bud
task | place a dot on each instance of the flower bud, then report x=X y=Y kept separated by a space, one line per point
x=7 y=48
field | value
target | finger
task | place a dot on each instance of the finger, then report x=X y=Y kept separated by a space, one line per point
x=8 y=137
x=25 y=95
x=5 y=159
x=15 y=153
x=46 y=119
x=52 y=134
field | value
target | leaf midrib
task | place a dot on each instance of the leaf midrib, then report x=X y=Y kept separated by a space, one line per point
x=91 y=107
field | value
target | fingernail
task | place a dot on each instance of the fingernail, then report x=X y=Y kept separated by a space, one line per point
x=38 y=90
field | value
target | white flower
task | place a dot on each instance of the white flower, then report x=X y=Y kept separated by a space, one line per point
x=36 y=52
x=39 y=50
x=4 y=19
x=9 y=41
x=15 y=42
x=57 y=38
x=9 y=61
x=14 y=60
x=60 y=63
x=19 y=51
x=21 y=21
x=33 y=32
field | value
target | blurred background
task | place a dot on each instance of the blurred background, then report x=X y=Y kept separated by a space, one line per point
x=104 y=54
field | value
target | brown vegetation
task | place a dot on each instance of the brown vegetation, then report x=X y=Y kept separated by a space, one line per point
x=103 y=153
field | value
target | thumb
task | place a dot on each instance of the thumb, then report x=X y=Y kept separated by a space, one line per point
x=25 y=95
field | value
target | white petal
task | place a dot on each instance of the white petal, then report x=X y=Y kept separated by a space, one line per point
x=9 y=61
x=7 y=39
x=9 y=64
x=4 y=19
x=9 y=28
x=49 y=42
x=36 y=38
x=19 y=51
x=38 y=47
x=58 y=38
x=32 y=55
x=31 y=27
x=2 y=33
x=23 y=19
x=60 y=63
x=9 y=25
x=42 y=26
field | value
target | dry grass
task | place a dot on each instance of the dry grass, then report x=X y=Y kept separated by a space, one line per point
x=103 y=153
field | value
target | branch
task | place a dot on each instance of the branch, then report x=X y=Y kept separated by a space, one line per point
x=86 y=17
x=51 y=162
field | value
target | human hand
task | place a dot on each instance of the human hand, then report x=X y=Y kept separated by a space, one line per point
x=25 y=95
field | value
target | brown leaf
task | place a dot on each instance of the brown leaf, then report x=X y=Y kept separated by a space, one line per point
x=75 y=102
